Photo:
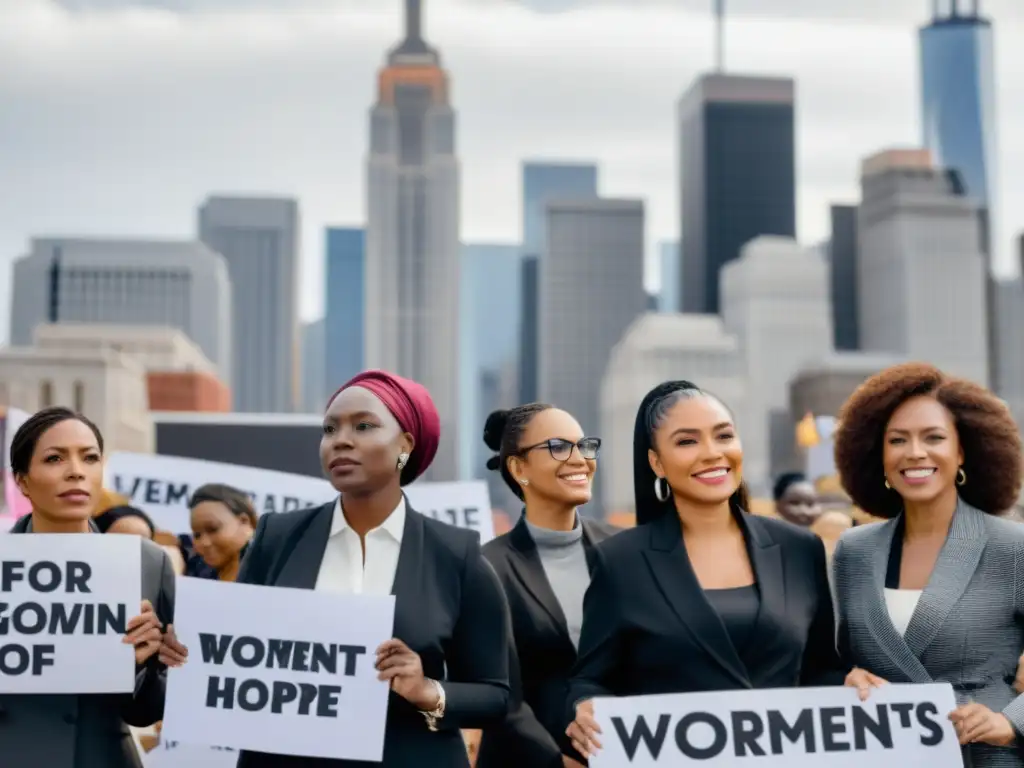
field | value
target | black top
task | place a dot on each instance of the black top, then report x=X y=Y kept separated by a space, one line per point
x=645 y=611
x=895 y=561
x=449 y=608
x=738 y=609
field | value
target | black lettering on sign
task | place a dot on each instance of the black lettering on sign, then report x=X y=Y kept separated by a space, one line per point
x=301 y=656
x=460 y=517
x=46 y=576
x=750 y=733
x=256 y=696
x=18 y=659
x=61 y=619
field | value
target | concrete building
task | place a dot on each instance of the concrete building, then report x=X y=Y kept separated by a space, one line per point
x=529 y=336
x=921 y=273
x=842 y=258
x=1007 y=322
x=192 y=391
x=776 y=301
x=107 y=386
x=412 y=231
x=344 y=305
x=259 y=239
x=821 y=386
x=131 y=284
x=737 y=154
x=314 y=364
x=591 y=290
x=671 y=277
x=661 y=347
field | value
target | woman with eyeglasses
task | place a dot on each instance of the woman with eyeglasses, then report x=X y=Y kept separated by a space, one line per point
x=544 y=566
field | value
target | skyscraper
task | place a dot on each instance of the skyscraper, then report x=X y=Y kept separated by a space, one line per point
x=412 y=233
x=671 y=277
x=737 y=175
x=842 y=256
x=259 y=238
x=958 y=105
x=344 y=307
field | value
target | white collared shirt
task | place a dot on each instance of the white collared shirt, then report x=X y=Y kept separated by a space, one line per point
x=343 y=568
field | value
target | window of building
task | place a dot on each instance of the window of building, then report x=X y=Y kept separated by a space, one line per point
x=46 y=394
x=79 y=394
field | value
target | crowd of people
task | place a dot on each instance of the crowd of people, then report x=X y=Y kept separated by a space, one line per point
x=513 y=641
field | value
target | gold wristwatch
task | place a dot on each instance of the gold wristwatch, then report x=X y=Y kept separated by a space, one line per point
x=435 y=714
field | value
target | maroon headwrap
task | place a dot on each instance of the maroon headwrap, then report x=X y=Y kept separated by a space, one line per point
x=412 y=406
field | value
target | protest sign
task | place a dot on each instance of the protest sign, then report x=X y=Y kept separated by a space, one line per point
x=304 y=687
x=162 y=485
x=65 y=602
x=899 y=725
x=174 y=754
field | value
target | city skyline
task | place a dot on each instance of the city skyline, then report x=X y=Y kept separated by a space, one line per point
x=85 y=180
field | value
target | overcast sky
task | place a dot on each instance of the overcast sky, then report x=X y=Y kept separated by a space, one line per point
x=118 y=116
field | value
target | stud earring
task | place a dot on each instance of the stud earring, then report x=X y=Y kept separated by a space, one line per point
x=524 y=481
x=403 y=459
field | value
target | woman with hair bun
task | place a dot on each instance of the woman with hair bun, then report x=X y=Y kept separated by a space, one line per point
x=936 y=592
x=701 y=595
x=543 y=564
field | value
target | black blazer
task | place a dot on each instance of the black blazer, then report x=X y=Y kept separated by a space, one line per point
x=91 y=730
x=449 y=608
x=648 y=627
x=541 y=656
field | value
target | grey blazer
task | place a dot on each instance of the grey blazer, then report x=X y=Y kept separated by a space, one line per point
x=90 y=731
x=967 y=630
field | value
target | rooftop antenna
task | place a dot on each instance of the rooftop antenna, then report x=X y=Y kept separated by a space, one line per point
x=720 y=36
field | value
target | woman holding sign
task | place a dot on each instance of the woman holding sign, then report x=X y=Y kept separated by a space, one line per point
x=447 y=664
x=57 y=461
x=936 y=593
x=700 y=596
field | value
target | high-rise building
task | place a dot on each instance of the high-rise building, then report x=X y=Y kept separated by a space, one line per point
x=412 y=231
x=489 y=330
x=175 y=284
x=737 y=175
x=529 y=355
x=544 y=182
x=671 y=277
x=344 y=307
x=315 y=386
x=259 y=238
x=958 y=105
x=591 y=290
x=920 y=271
x=842 y=259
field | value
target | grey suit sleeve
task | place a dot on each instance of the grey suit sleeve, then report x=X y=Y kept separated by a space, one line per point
x=1014 y=711
x=842 y=630
x=146 y=705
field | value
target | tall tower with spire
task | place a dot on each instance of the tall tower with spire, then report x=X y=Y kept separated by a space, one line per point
x=412 y=230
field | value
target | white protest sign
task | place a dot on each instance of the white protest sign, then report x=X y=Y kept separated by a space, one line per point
x=279 y=670
x=899 y=725
x=174 y=754
x=162 y=485
x=65 y=601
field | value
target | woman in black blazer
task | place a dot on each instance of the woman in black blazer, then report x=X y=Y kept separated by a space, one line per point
x=544 y=566
x=448 y=662
x=700 y=596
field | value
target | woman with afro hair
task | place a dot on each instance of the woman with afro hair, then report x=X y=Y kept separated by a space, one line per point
x=936 y=592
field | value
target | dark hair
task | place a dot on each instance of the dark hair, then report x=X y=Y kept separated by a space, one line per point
x=650 y=416
x=785 y=480
x=105 y=521
x=502 y=433
x=237 y=502
x=988 y=435
x=23 y=445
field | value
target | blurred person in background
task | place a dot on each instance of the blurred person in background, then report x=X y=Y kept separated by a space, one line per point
x=796 y=499
x=223 y=522
x=936 y=592
x=701 y=595
x=126 y=519
x=57 y=462
x=544 y=565
x=830 y=525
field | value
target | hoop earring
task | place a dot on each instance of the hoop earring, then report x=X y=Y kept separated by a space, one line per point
x=887 y=484
x=961 y=476
x=659 y=484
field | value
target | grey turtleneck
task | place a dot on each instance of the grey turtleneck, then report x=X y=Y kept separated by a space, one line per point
x=565 y=564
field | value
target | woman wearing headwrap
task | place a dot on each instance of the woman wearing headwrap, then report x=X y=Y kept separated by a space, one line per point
x=447 y=664
x=700 y=596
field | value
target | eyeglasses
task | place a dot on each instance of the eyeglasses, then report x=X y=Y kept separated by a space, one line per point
x=561 y=450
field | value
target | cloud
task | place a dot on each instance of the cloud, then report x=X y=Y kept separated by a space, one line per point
x=119 y=117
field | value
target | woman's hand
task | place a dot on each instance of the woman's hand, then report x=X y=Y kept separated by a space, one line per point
x=584 y=729
x=863 y=681
x=143 y=632
x=976 y=723
x=401 y=666
x=172 y=652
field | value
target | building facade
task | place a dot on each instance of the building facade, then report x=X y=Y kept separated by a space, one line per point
x=737 y=152
x=412 y=231
x=194 y=391
x=544 y=182
x=315 y=389
x=130 y=284
x=259 y=239
x=668 y=298
x=842 y=258
x=345 y=309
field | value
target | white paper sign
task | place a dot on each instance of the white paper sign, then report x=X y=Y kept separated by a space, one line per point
x=65 y=601
x=161 y=486
x=278 y=670
x=900 y=725
x=173 y=754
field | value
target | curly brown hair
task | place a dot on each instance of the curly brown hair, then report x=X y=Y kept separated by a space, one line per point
x=988 y=435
